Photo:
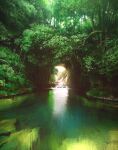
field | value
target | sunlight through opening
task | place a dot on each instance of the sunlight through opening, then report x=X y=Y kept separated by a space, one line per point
x=61 y=76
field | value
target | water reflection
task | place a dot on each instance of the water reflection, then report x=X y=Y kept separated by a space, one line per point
x=60 y=97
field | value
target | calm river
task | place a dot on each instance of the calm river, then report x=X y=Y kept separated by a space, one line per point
x=57 y=120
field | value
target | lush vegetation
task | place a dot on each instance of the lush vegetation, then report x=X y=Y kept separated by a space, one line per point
x=35 y=35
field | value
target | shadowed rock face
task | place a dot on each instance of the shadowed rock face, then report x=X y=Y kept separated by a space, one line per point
x=39 y=76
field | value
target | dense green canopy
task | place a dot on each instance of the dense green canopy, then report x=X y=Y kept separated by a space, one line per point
x=42 y=33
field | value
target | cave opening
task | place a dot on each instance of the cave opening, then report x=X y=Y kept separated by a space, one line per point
x=60 y=76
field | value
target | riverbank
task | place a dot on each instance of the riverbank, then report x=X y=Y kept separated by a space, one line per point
x=16 y=101
x=6 y=94
x=96 y=103
x=100 y=98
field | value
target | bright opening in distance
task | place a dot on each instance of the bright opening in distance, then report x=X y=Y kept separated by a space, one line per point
x=61 y=76
x=60 y=68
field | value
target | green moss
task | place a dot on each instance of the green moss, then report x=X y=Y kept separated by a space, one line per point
x=97 y=104
x=22 y=140
x=7 y=126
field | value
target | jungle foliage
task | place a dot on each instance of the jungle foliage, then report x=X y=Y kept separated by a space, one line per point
x=42 y=33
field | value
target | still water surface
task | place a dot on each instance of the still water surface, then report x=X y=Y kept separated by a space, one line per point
x=56 y=120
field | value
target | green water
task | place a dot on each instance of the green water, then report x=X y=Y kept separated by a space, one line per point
x=56 y=120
